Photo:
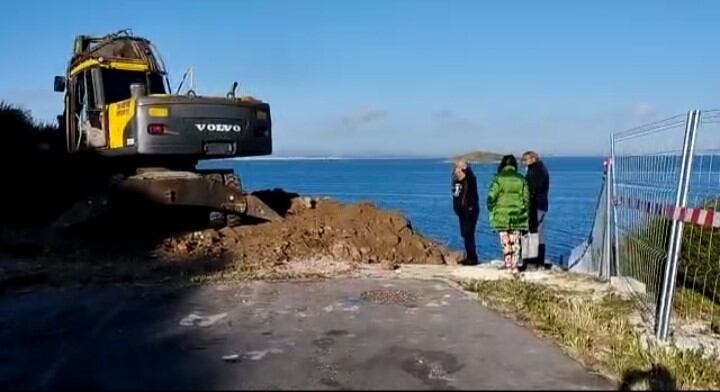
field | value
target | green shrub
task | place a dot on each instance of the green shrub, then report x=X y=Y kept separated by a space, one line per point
x=33 y=172
x=643 y=252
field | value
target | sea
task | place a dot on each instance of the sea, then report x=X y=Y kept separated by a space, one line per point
x=420 y=190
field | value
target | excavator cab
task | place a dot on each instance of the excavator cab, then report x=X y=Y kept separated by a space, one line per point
x=119 y=106
x=99 y=80
x=118 y=101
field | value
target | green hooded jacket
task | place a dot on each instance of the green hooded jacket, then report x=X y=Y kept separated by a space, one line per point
x=508 y=201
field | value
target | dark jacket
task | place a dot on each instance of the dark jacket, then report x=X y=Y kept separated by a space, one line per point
x=465 y=195
x=539 y=182
x=508 y=200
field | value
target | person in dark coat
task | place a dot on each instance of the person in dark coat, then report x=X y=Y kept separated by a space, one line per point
x=466 y=207
x=538 y=180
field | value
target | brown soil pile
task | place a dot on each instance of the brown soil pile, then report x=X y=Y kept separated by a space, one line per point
x=317 y=238
x=353 y=233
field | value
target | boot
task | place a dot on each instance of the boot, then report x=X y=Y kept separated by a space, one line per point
x=522 y=267
x=541 y=258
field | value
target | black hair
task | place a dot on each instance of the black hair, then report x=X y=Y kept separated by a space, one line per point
x=507 y=160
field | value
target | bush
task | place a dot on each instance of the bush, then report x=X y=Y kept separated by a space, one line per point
x=699 y=268
x=33 y=167
x=643 y=252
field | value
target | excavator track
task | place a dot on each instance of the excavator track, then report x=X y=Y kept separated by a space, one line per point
x=232 y=181
x=219 y=192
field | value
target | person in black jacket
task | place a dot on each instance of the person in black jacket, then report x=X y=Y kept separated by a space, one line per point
x=466 y=207
x=539 y=183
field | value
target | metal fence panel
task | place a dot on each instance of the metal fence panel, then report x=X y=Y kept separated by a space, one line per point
x=588 y=257
x=647 y=166
x=657 y=222
x=662 y=317
x=697 y=294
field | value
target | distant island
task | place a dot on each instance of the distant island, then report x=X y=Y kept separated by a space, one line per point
x=480 y=157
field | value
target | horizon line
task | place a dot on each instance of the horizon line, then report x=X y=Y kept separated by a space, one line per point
x=398 y=156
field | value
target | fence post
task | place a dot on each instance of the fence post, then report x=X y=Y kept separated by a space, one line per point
x=615 y=237
x=664 y=307
x=605 y=269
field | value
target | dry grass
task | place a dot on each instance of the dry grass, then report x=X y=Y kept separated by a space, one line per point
x=598 y=334
x=690 y=305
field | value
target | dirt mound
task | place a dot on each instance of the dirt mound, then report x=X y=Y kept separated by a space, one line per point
x=317 y=239
x=312 y=229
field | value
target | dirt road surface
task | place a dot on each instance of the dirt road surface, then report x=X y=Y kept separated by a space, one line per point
x=334 y=334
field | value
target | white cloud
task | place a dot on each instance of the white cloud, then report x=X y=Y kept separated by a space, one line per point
x=450 y=120
x=643 y=111
x=362 y=117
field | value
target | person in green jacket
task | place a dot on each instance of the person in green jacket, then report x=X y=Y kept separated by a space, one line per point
x=508 y=204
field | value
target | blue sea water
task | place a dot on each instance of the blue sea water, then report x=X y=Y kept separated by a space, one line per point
x=420 y=189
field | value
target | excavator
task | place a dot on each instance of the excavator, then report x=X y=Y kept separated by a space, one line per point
x=120 y=110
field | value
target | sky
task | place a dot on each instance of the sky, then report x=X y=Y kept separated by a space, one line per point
x=403 y=77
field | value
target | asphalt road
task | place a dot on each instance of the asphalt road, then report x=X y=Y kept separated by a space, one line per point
x=324 y=335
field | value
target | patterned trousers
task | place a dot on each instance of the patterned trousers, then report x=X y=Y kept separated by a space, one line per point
x=510 y=241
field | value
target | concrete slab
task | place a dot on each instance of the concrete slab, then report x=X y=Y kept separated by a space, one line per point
x=628 y=285
x=339 y=334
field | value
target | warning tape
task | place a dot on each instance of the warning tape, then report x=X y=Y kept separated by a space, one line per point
x=706 y=217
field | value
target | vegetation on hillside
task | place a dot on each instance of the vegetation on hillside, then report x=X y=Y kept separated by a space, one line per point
x=34 y=171
x=643 y=253
x=480 y=157
x=21 y=134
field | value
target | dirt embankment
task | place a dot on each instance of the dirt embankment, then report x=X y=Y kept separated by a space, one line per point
x=353 y=233
x=316 y=238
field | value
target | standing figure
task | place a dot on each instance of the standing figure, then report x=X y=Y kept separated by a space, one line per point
x=508 y=203
x=466 y=207
x=538 y=181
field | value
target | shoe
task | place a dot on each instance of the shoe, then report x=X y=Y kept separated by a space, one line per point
x=541 y=258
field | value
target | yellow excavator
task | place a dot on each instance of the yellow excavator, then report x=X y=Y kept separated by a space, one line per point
x=119 y=109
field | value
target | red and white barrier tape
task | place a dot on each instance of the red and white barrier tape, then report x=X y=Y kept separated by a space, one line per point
x=707 y=217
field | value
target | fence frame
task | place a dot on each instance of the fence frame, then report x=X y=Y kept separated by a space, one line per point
x=611 y=196
x=609 y=211
x=665 y=299
x=662 y=319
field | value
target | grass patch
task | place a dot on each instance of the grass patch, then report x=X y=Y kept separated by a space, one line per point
x=597 y=333
x=690 y=305
x=643 y=254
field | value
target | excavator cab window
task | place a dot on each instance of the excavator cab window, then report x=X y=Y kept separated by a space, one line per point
x=87 y=124
x=83 y=94
x=116 y=83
